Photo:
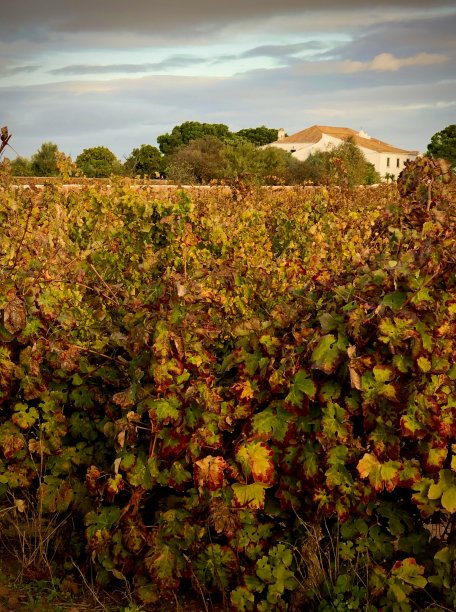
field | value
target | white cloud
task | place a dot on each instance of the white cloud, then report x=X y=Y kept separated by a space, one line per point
x=440 y=105
x=387 y=62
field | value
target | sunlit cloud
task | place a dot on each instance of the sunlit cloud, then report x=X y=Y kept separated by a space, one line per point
x=387 y=62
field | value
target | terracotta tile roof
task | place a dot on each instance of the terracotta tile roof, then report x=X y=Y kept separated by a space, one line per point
x=315 y=133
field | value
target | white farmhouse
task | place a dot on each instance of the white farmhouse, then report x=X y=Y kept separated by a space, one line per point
x=386 y=158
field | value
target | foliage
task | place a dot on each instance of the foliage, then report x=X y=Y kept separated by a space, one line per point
x=98 y=162
x=200 y=161
x=443 y=144
x=44 y=162
x=199 y=376
x=265 y=166
x=208 y=159
x=258 y=136
x=145 y=160
x=427 y=180
x=342 y=165
x=21 y=166
x=194 y=130
x=191 y=130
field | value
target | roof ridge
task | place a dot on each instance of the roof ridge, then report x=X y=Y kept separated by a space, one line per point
x=314 y=133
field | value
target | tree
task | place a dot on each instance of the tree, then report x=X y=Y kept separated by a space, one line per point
x=205 y=159
x=191 y=130
x=258 y=136
x=443 y=144
x=342 y=165
x=145 y=160
x=21 y=166
x=276 y=166
x=198 y=162
x=44 y=162
x=98 y=162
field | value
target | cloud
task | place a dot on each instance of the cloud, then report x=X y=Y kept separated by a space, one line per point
x=108 y=77
x=6 y=71
x=434 y=33
x=387 y=62
x=124 y=113
x=281 y=51
x=29 y=18
x=405 y=108
x=176 y=61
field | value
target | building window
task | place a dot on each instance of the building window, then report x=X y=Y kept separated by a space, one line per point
x=387 y=162
x=398 y=163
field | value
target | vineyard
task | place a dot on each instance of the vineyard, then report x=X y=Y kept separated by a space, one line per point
x=241 y=397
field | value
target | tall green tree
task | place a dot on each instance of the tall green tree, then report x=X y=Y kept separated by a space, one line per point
x=21 y=166
x=144 y=160
x=98 y=162
x=191 y=130
x=44 y=162
x=443 y=144
x=258 y=136
x=198 y=162
x=205 y=159
x=342 y=165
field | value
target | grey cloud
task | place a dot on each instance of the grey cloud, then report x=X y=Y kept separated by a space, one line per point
x=23 y=69
x=434 y=35
x=177 y=61
x=277 y=52
x=280 y=51
x=30 y=19
x=7 y=71
x=124 y=113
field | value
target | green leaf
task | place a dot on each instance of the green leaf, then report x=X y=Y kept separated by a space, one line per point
x=24 y=416
x=163 y=411
x=326 y=354
x=330 y=321
x=410 y=572
x=105 y=518
x=249 y=495
x=302 y=385
x=273 y=423
x=376 y=383
x=395 y=300
x=424 y=364
x=215 y=565
x=163 y=565
x=242 y=599
x=55 y=494
x=448 y=500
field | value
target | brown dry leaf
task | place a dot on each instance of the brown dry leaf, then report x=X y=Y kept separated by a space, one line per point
x=355 y=378
x=14 y=316
x=123 y=398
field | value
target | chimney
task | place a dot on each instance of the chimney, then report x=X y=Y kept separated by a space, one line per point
x=280 y=134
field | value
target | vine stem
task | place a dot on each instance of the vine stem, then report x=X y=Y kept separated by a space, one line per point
x=93 y=352
x=114 y=297
x=426 y=282
x=29 y=214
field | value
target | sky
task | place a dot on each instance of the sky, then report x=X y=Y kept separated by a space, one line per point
x=118 y=73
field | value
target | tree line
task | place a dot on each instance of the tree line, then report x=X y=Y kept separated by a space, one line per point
x=200 y=153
